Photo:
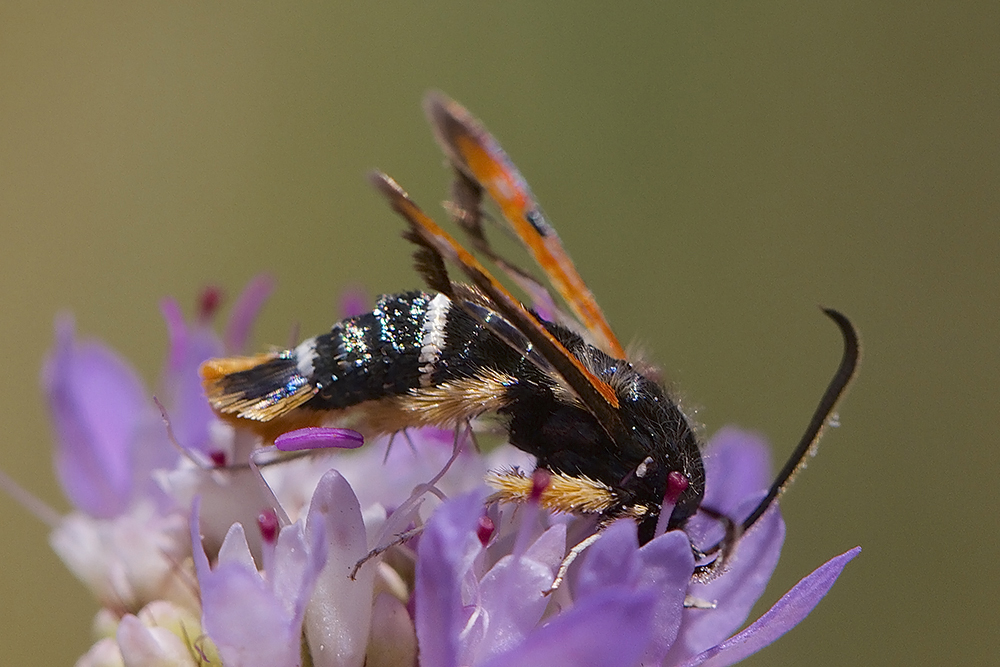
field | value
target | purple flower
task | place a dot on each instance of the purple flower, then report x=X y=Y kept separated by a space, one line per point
x=210 y=556
x=109 y=435
x=255 y=619
x=98 y=404
x=128 y=535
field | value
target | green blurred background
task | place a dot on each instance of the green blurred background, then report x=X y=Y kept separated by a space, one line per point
x=716 y=170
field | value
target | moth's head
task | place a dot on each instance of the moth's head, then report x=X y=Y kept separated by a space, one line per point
x=683 y=489
x=672 y=476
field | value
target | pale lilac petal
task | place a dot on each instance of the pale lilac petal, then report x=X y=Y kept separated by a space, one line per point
x=318 y=437
x=736 y=591
x=737 y=466
x=662 y=567
x=611 y=561
x=97 y=402
x=190 y=414
x=786 y=613
x=667 y=564
x=299 y=558
x=448 y=548
x=550 y=547
x=246 y=617
x=609 y=629
x=153 y=451
x=339 y=614
x=234 y=549
x=511 y=595
x=245 y=312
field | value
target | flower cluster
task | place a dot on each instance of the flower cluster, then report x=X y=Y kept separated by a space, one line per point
x=200 y=556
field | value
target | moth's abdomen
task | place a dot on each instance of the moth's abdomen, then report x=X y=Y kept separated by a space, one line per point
x=259 y=388
x=413 y=357
x=387 y=352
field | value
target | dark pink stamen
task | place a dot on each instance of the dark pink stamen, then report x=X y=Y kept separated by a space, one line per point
x=677 y=484
x=540 y=480
x=208 y=303
x=484 y=529
x=218 y=458
x=267 y=521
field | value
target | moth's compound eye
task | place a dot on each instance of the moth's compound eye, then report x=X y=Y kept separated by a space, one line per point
x=643 y=468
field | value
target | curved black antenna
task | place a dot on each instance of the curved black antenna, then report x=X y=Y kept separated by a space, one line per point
x=810 y=439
